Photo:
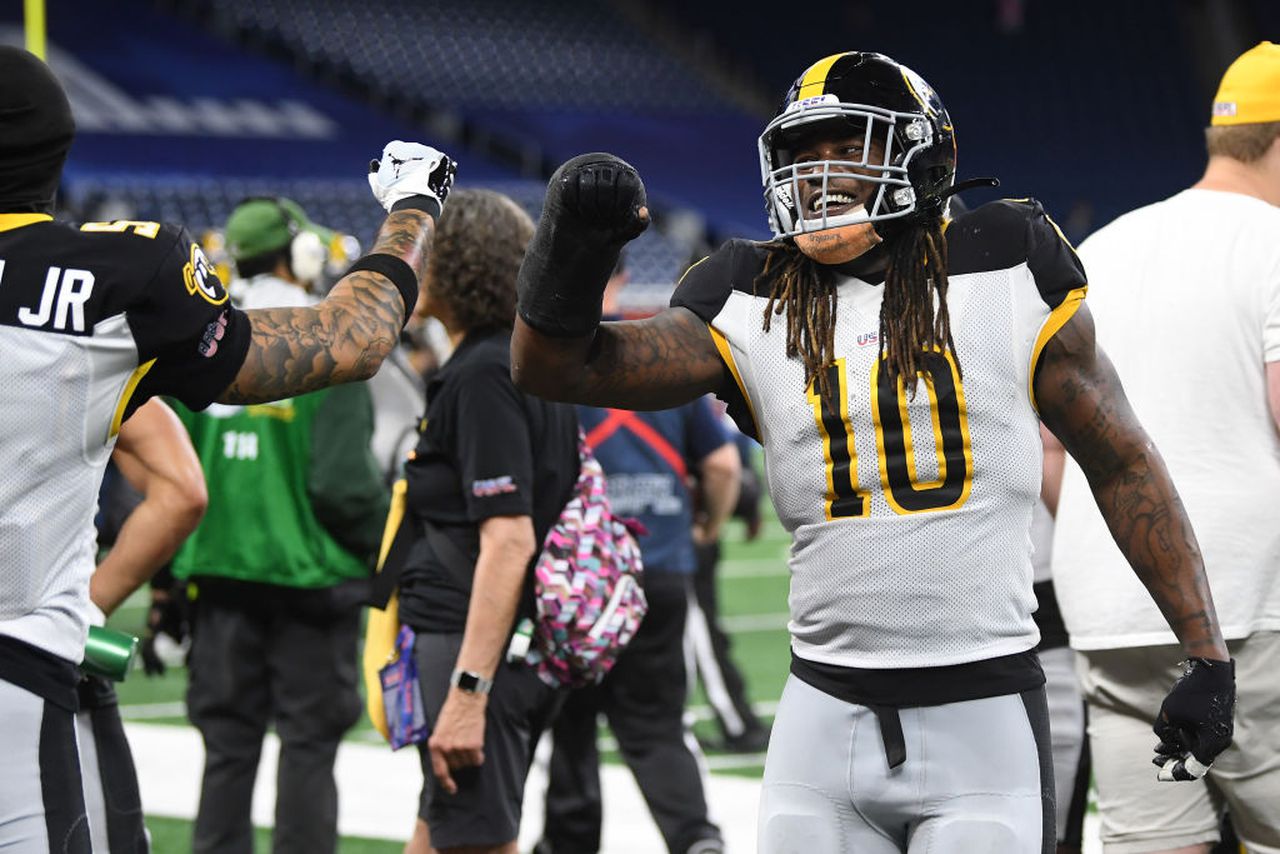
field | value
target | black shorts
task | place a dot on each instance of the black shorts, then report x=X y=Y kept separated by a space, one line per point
x=486 y=809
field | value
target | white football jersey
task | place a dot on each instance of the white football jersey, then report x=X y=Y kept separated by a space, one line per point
x=93 y=322
x=909 y=514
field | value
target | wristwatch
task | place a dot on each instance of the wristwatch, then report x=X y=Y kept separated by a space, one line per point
x=470 y=682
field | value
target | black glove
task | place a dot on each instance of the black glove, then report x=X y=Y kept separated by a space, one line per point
x=595 y=203
x=1195 y=720
x=169 y=624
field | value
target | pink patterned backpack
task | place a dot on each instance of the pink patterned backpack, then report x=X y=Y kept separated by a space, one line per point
x=588 y=585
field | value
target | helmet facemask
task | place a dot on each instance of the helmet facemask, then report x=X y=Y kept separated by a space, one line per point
x=832 y=230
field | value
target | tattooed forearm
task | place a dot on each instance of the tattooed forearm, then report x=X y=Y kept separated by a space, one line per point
x=1082 y=402
x=344 y=338
x=657 y=363
x=406 y=235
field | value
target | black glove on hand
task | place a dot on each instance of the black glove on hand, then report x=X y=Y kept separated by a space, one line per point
x=595 y=204
x=1195 y=721
x=168 y=625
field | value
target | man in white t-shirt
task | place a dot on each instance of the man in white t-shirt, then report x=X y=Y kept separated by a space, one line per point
x=1186 y=297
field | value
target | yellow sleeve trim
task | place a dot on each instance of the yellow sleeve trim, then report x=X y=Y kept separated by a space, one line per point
x=10 y=221
x=129 y=388
x=726 y=354
x=1055 y=321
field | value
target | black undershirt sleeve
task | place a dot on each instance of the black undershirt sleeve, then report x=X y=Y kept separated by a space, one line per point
x=191 y=341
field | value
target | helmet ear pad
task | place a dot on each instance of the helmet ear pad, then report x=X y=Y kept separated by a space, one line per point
x=838 y=245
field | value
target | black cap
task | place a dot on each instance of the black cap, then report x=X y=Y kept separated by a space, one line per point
x=36 y=129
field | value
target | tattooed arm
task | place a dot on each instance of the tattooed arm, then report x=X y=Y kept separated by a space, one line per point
x=657 y=363
x=344 y=338
x=1082 y=402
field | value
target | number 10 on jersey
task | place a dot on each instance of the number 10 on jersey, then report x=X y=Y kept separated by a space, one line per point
x=904 y=489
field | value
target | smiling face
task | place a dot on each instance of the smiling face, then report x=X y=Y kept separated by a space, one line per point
x=843 y=193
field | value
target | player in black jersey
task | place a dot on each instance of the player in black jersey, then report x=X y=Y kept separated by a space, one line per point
x=94 y=320
x=893 y=363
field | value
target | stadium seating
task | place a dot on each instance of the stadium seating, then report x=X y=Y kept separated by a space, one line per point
x=201 y=203
x=484 y=53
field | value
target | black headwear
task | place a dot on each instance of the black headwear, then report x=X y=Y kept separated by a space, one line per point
x=36 y=130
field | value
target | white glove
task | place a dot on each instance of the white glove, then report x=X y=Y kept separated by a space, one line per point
x=412 y=175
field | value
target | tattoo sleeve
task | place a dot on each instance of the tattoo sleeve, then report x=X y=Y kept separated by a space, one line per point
x=343 y=338
x=1082 y=402
x=656 y=363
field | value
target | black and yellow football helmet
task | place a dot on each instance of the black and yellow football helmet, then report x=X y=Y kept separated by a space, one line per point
x=902 y=123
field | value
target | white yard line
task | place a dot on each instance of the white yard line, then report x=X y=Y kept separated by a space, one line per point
x=754 y=567
x=754 y=622
x=150 y=711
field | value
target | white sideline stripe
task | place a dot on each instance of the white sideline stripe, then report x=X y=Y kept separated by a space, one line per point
x=147 y=711
x=378 y=792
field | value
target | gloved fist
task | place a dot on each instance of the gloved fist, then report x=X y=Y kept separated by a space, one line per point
x=168 y=632
x=1195 y=721
x=412 y=175
x=603 y=194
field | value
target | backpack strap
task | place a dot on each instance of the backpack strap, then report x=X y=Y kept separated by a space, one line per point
x=388 y=578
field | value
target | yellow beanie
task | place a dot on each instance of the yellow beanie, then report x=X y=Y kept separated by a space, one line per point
x=1250 y=90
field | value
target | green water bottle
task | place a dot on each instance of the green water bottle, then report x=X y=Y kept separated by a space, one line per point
x=109 y=653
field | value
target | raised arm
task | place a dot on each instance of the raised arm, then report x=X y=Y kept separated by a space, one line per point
x=559 y=349
x=1082 y=402
x=345 y=337
x=656 y=363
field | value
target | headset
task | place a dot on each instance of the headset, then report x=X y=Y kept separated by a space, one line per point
x=307 y=251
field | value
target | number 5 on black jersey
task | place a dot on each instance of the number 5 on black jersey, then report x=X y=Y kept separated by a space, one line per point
x=903 y=489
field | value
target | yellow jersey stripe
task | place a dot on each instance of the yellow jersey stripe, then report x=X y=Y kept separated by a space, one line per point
x=129 y=388
x=1055 y=321
x=726 y=354
x=18 y=220
x=815 y=79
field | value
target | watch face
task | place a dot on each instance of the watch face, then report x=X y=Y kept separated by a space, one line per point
x=472 y=683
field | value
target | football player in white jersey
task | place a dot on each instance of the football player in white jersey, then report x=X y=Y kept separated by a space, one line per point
x=893 y=364
x=94 y=321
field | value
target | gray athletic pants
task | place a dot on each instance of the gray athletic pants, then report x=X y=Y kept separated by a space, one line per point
x=41 y=799
x=977 y=778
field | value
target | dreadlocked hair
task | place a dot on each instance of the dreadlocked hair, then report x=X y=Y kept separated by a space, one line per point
x=805 y=291
x=910 y=325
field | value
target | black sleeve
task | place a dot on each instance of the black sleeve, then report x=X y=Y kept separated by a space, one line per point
x=705 y=286
x=1055 y=265
x=493 y=448
x=1004 y=234
x=191 y=341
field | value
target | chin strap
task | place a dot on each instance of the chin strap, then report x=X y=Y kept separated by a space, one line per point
x=932 y=207
x=968 y=185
